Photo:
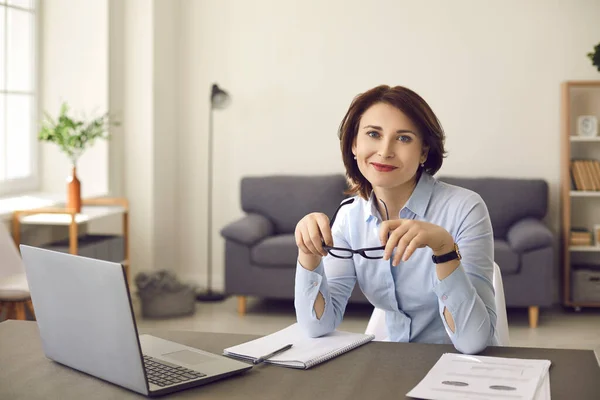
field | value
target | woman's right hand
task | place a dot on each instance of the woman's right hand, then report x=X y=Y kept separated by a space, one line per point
x=311 y=232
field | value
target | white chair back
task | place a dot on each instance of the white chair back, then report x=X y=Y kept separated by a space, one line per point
x=501 y=320
x=10 y=259
x=377 y=327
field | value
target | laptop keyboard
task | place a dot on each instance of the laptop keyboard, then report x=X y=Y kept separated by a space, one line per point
x=162 y=373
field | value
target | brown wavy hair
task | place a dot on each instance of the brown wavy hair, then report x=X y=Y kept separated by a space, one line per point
x=414 y=107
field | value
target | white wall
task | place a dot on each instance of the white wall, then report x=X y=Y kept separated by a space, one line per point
x=74 y=68
x=491 y=73
x=138 y=128
x=166 y=133
x=143 y=160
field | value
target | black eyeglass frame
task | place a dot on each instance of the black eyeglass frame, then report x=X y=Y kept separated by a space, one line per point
x=362 y=252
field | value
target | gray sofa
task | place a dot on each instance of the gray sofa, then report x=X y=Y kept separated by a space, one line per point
x=260 y=249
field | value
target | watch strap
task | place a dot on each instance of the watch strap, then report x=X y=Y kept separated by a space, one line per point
x=454 y=254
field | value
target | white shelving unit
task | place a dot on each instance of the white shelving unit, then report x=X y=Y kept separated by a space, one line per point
x=584 y=248
x=578 y=208
x=576 y=193
x=574 y=138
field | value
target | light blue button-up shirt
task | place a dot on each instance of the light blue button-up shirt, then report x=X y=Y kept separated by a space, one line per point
x=411 y=295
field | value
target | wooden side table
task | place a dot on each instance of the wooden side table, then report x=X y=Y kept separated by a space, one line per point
x=91 y=209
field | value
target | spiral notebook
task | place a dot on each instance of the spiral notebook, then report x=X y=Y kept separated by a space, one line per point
x=306 y=352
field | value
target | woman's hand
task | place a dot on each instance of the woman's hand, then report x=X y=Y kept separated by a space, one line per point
x=408 y=235
x=311 y=232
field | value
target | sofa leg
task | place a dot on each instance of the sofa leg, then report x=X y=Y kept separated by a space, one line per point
x=29 y=306
x=11 y=311
x=534 y=312
x=241 y=305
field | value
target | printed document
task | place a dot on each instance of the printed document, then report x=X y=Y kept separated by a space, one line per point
x=459 y=376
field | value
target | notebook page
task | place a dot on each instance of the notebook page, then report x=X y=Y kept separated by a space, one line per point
x=266 y=344
x=304 y=349
x=308 y=349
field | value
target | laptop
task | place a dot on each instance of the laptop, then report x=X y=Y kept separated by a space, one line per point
x=86 y=322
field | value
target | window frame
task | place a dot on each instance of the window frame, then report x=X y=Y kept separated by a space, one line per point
x=30 y=183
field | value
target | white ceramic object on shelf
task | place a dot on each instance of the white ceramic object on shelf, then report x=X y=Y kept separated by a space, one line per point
x=587 y=125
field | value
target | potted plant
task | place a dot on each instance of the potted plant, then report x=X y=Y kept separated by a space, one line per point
x=73 y=136
x=595 y=56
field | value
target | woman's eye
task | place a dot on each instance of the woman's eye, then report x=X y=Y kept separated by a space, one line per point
x=405 y=139
x=373 y=134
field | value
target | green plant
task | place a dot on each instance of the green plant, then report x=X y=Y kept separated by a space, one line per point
x=595 y=56
x=73 y=136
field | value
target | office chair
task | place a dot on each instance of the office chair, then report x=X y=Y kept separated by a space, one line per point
x=14 y=290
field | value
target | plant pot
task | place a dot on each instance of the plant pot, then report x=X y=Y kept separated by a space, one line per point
x=74 y=191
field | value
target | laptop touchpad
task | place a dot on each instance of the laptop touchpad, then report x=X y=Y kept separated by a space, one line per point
x=188 y=357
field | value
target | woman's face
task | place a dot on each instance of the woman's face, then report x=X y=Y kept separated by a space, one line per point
x=388 y=148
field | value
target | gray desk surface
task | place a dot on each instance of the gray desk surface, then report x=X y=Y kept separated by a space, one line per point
x=373 y=371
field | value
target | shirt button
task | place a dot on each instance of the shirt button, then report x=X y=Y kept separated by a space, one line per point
x=444 y=297
x=314 y=283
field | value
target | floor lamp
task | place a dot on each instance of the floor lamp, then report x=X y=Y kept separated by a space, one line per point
x=219 y=99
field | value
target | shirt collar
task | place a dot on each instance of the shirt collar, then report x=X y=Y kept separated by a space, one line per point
x=417 y=203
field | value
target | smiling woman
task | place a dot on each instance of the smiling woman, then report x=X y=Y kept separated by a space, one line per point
x=399 y=236
x=412 y=123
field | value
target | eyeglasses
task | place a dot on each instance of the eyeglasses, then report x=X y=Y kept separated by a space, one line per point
x=371 y=253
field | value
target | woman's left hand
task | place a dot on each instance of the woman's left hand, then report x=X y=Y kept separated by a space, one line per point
x=408 y=235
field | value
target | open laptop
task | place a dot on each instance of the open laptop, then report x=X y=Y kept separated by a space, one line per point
x=84 y=314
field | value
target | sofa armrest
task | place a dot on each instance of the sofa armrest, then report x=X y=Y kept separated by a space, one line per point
x=249 y=229
x=529 y=234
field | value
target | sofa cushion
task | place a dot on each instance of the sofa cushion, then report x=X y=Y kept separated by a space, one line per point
x=275 y=251
x=505 y=257
x=286 y=199
x=529 y=234
x=248 y=230
x=507 y=200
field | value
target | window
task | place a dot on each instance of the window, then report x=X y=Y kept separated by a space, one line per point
x=18 y=100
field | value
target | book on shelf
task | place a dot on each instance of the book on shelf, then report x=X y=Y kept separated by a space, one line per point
x=580 y=243
x=580 y=177
x=580 y=237
x=585 y=174
x=596 y=169
x=576 y=176
x=588 y=175
x=592 y=172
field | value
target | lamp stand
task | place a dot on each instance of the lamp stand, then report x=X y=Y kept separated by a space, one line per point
x=209 y=294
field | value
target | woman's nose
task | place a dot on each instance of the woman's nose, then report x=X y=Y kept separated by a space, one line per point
x=386 y=150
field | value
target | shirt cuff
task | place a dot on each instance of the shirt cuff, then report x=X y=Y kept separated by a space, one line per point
x=310 y=283
x=454 y=289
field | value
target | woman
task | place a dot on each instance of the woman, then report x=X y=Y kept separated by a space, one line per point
x=420 y=249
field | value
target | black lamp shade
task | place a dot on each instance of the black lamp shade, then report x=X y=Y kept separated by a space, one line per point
x=218 y=97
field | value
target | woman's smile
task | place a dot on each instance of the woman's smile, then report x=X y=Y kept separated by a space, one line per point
x=383 y=167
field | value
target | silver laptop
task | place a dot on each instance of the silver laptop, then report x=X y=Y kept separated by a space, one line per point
x=84 y=314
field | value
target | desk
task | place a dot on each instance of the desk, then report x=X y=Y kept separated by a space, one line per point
x=92 y=209
x=374 y=371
